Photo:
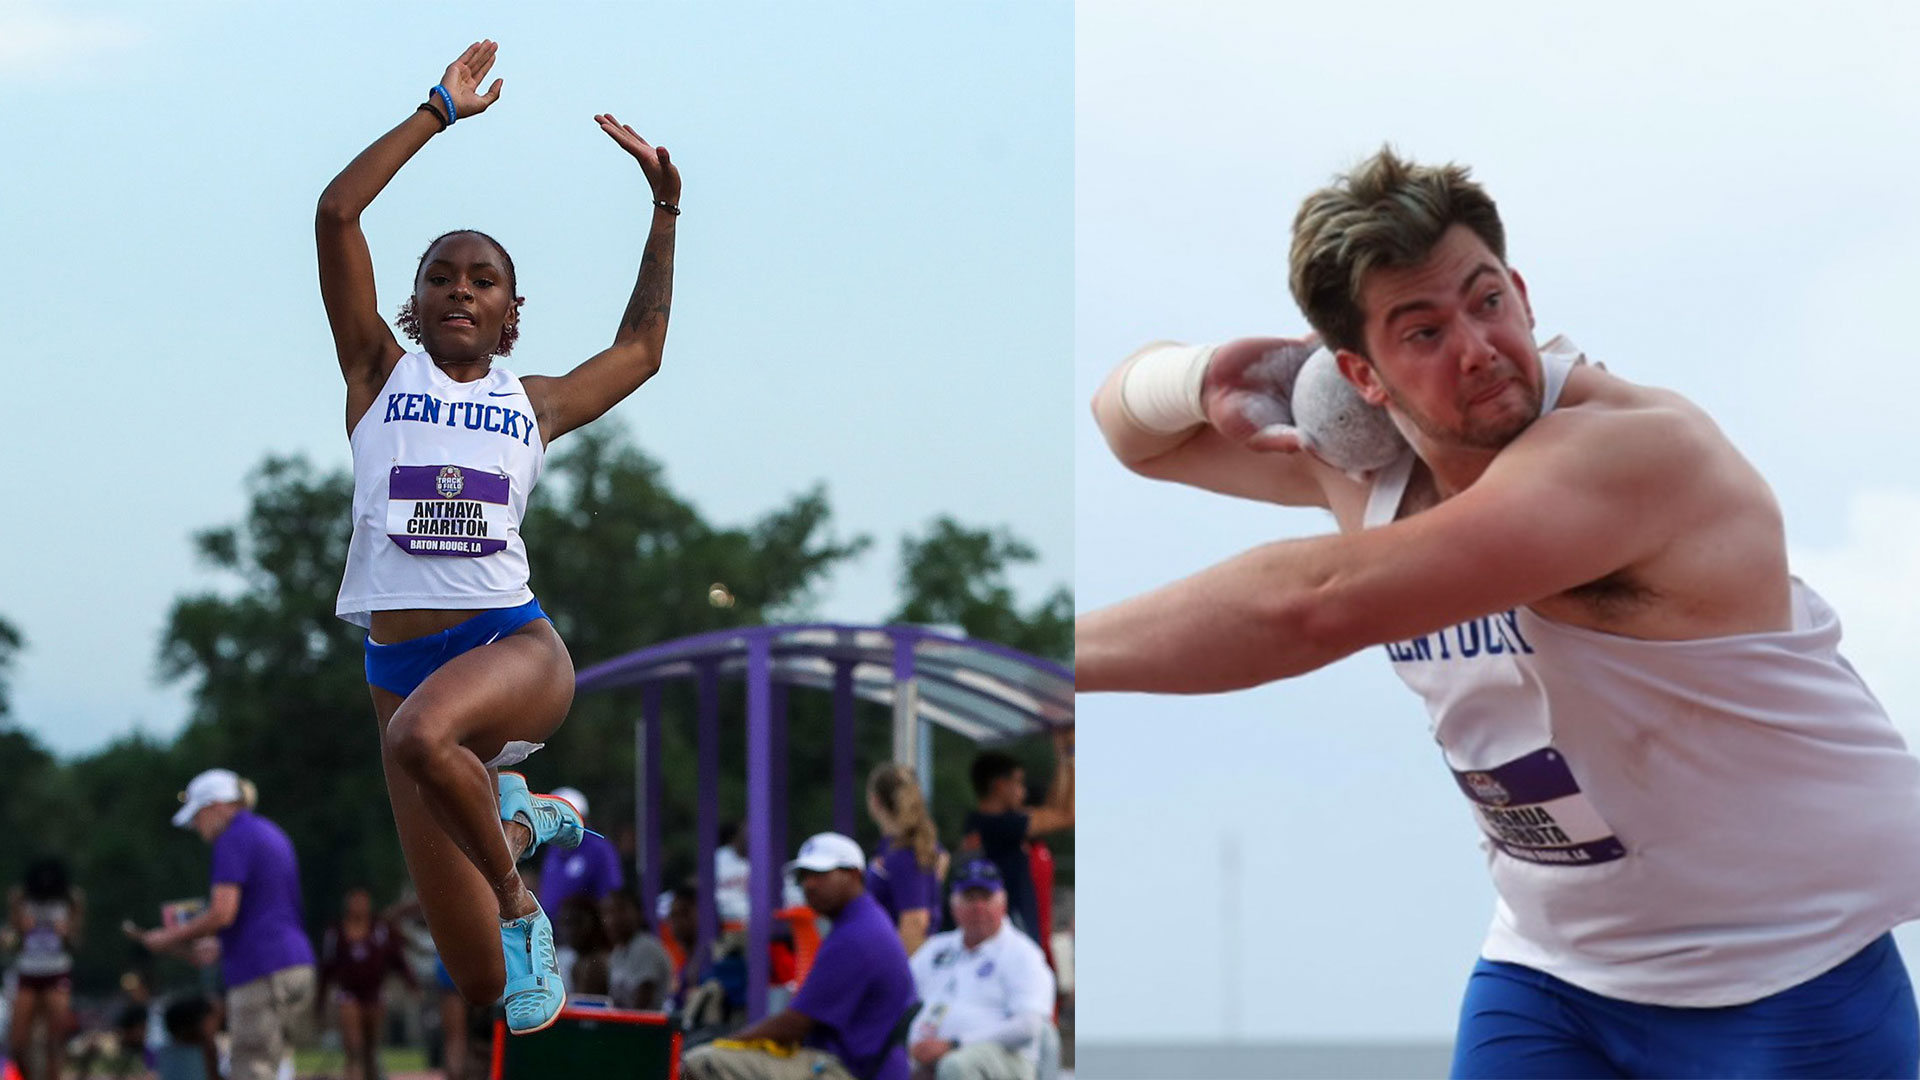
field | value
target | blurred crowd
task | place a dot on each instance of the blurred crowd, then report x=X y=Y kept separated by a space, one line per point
x=923 y=957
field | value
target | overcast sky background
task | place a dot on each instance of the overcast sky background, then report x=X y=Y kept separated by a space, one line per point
x=873 y=285
x=1711 y=198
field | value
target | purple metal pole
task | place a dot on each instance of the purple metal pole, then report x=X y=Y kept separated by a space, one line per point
x=906 y=698
x=707 y=820
x=760 y=792
x=843 y=783
x=650 y=802
x=777 y=808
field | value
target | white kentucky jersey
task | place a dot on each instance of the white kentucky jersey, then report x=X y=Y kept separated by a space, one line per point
x=1685 y=823
x=441 y=474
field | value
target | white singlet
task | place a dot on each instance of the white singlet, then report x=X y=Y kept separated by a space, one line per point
x=441 y=474
x=43 y=949
x=1686 y=823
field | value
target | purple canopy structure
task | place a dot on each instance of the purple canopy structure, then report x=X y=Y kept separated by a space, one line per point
x=986 y=692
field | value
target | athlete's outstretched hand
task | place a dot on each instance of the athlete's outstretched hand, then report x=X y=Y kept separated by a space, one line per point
x=662 y=176
x=464 y=76
x=1247 y=391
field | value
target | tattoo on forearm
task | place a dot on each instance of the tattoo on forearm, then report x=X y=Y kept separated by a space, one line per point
x=652 y=299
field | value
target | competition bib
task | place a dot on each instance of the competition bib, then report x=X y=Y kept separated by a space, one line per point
x=1532 y=809
x=447 y=510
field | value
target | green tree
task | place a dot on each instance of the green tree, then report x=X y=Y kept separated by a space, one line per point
x=957 y=576
x=10 y=645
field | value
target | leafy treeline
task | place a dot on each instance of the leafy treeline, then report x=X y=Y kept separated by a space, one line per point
x=619 y=561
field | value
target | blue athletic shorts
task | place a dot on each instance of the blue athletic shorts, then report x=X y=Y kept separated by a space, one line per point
x=403 y=666
x=1857 y=1020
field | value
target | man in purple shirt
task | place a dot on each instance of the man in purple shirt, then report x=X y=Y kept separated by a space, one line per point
x=847 y=1016
x=592 y=868
x=255 y=909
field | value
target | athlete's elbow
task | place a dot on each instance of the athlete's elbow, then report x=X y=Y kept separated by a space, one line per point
x=334 y=211
x=1311 y=629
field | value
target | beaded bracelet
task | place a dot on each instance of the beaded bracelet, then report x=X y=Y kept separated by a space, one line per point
x=446 y=99
x=428 y=108
x=668 y=207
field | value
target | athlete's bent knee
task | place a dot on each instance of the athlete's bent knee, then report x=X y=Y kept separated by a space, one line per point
x=414 y=742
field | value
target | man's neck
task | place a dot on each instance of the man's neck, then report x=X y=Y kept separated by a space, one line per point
x=967 y=940
x=995 y=806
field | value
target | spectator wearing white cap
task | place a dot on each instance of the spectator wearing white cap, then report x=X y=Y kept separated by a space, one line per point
x=255 y=908
x=841 y=1023
x=985 y=989
x=592 y=869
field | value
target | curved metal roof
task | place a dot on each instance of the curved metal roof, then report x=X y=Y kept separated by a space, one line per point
x=987 y=692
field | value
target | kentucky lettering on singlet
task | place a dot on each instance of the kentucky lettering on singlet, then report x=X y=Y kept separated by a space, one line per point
x=1531 y=808
x=1491 y=635
x=472 y=415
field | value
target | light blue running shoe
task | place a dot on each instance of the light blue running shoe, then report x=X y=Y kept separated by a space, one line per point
x=534 y=995
x=553 y=820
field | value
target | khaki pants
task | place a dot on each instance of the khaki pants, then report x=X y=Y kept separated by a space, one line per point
x=265 y=1016
x=718 y=1063
x=978 y=1061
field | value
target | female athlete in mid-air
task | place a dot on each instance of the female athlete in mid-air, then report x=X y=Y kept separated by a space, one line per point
x=466 y=672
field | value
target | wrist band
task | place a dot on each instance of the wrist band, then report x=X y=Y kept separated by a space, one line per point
x=447 y=100
x=433 y=112
x=1161 y=390
x=668 y=207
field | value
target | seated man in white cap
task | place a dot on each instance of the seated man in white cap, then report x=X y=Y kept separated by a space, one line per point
x=985 y=989
x=841 y=1024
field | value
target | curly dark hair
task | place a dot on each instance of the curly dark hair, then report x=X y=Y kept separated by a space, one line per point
x=409 y=323
x=46 y=879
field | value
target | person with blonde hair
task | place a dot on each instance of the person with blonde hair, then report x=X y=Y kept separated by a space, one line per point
x=255 y=908
x=904 y=874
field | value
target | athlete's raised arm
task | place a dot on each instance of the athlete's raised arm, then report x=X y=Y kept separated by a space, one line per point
x=365 y=344
x=1216 y=417
x=1575 y=499
x=564 y=402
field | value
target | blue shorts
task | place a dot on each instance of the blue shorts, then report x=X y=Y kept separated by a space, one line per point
x=403 y=666
x=1857 y=1020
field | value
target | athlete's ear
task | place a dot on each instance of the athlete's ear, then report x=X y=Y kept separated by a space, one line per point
x=1358 y=370
x=1520 y=286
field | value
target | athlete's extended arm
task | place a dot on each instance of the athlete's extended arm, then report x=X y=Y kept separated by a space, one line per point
x=365 y=344
x=1246 y=445
x=1569 y=502
x=583 y=395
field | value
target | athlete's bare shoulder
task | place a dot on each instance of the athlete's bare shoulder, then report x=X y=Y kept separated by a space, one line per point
x=1722 y=568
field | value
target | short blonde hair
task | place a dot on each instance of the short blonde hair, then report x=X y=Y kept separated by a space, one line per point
x=1386 y=212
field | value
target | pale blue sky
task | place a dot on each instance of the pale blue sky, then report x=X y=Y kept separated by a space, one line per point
x=1713 y=198
x=873 y=288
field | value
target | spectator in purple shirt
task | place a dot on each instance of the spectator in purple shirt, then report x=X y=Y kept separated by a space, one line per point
x=255 y=909
x=904 y=876
x=592 y=869
x=847 y=1014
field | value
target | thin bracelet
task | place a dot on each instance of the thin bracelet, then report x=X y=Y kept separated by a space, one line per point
x=428 y=108
x=668 y=207
x=453 y=115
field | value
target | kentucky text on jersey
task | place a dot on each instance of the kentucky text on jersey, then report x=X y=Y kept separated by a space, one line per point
x=1491 y=635
x=471 y=415
x=452 y=518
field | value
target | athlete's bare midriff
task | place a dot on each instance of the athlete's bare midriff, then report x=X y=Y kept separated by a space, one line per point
x=393 y=627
